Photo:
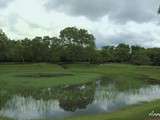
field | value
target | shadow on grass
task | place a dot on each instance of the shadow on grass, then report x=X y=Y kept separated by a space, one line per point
x=46 y=75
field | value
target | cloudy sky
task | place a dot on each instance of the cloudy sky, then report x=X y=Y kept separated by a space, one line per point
x=111 y=21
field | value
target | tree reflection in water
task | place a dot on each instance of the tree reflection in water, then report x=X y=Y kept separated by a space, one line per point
x=77 y=97
x=64 y=101
x=70 y=98
x=4 y=97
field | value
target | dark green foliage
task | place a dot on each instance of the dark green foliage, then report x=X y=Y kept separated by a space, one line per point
x=77 y=44
x=122 y=53
x=73 y=45
x=154 y=54
x=96 y=57
x=3 y=46
x=139 y=56
x=107 y=53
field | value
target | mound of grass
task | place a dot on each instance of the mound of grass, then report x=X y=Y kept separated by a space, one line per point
x=40 y=76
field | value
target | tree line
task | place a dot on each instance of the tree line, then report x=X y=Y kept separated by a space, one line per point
x=73 y=45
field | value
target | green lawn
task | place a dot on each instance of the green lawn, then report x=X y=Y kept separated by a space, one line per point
x=14 y=76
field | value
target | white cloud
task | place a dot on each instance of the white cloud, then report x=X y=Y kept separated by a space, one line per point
x=4 y=3
x=29 y=18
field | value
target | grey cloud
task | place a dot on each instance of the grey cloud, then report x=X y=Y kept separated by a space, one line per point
x=14 y=19
x=33 y=25
x=2 y=21
x=127 y=38
x=4 y=3
x=119 y=10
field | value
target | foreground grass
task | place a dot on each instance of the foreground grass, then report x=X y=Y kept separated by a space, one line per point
x=138 y=112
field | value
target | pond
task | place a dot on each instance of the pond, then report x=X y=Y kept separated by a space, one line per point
x=66 y=101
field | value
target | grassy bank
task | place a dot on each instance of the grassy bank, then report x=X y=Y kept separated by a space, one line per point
x=138 y=112
x=48 y=75
x=16 y=77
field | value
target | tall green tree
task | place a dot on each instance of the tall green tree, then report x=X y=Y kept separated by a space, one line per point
x=3 y=46
x=154 y=54
x=73 y=45
x=139 y=56
x=77 y=43
x=122 y=53
x=27 y=50
x=56 y=50
x=108 y=53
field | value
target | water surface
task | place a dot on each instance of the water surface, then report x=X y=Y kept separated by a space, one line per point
x=65 y=101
